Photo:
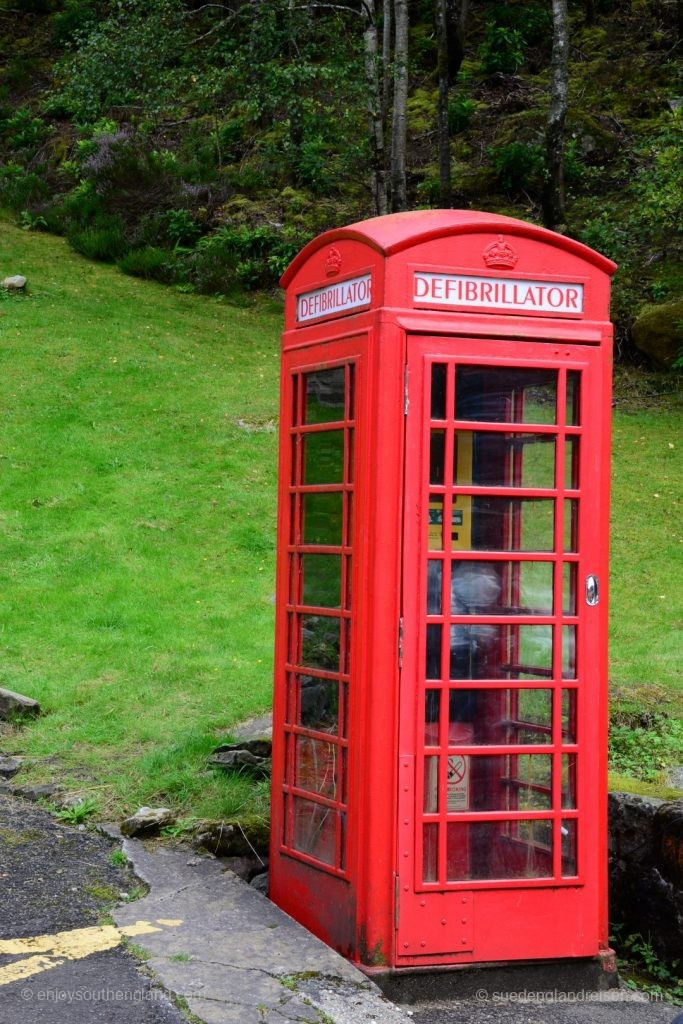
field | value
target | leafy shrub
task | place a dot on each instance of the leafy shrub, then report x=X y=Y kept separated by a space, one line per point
x=517 y=165
x=23 y=131
x=181 y=228
x=247 y=257
x=151 y=262
x=74 y=20
x=19 y=187
x=104 y=242
x=502 y=50
x=460 y=112
x=645 y=750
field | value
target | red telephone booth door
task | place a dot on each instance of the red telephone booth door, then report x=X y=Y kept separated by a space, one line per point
x=501 y=754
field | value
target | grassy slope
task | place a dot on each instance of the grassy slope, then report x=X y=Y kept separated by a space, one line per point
x=137 y=520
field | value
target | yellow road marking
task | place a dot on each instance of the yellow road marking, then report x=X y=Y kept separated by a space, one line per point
x=73 y=945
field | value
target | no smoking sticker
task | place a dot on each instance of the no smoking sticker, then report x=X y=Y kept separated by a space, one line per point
x=458 y=782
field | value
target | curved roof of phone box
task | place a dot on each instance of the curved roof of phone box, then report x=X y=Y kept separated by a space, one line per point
x=399 y=231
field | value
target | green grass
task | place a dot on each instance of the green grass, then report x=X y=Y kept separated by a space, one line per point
x=646 y=653
x=137 y=525
x=137 y=518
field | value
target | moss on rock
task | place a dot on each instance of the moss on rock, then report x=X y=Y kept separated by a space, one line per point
x=658 y=332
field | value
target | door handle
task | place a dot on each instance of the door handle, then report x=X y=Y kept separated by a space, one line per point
x=592 y=590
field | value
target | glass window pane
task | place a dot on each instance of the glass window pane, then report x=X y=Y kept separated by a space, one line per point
x=322 y=580
x=499 y=717
x=569 y=652
x=435 y=522
x=437 y=448
x=569 y=847
x=485 y=651
x=571 y=525
x=430 y=852
x=313 y=830
x=318 y=703
x=499 y=849
x=320 y=642
x=512 y=524
x=438 y=411
x=316 y=766
x=433 y=666
x=434 y=589
x=322 y=518
x=501 y=588
x=432 y=705
x=573 y=396
x=569 y=762
x=507 y=460
x=325 y=395
x=323 y=457
x=352 y=391
x=505 y=395
x=431 y=785
x=569 y=588
x=569 y=716
x=571 y=463
x=501 y=782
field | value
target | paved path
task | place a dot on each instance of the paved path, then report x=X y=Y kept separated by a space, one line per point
x=58 y=965
x=229 y=954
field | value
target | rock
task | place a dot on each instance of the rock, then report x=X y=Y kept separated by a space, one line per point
x=260 y=727
x=9 y=766
x=258 y=747
x=40 y=791
x=658 y=333
x=16 y=704
x=240 y=760
x=147 y=821
x=15 y=283
x=261 y=882
x=245 y=867
x=669 y=826
x=233 y=839
x=645 y=868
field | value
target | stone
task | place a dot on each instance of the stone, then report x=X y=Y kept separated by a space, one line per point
x=232 y=839
x=645 y=866
x=39 y=791
x=657 y=332
x=147 y=821
x=9 y=766
x=669 y=826
x=261 y=882
x=14 y=283
x=259 y=747
x=245 y=867
x=260 y=727
x=12 y=703
x=240 y=760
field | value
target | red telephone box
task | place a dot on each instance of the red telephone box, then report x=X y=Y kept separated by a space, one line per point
x=439 y=734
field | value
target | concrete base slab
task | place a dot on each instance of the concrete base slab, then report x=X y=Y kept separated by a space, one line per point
x=236 y=958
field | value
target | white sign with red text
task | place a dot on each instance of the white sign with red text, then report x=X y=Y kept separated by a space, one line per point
x=515 y=294
x=341 y=297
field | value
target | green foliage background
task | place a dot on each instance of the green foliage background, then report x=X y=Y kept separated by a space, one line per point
x=203 y=144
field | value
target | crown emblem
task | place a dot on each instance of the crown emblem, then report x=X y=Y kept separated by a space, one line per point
x=333 y=262
x=500 y=255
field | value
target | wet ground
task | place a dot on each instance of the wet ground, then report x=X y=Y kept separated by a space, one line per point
x=61 y=959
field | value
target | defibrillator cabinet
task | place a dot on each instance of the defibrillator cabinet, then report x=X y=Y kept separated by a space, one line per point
x=439 y=731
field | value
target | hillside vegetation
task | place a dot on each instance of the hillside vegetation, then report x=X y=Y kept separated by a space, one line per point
x=201 y=144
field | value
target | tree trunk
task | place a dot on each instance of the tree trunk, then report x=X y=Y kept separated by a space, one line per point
x=399 y=193
x=386 y=57
x=445 y=187
x=450 y=32
x=378 y=174
x=553 y=192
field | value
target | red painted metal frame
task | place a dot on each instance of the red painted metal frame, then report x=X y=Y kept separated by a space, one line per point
x=358 y=906
x=578 y=930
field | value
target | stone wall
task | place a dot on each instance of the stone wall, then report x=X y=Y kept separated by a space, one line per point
x=646 y=869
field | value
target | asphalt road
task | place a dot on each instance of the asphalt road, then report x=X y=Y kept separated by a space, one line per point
x=61 y=962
